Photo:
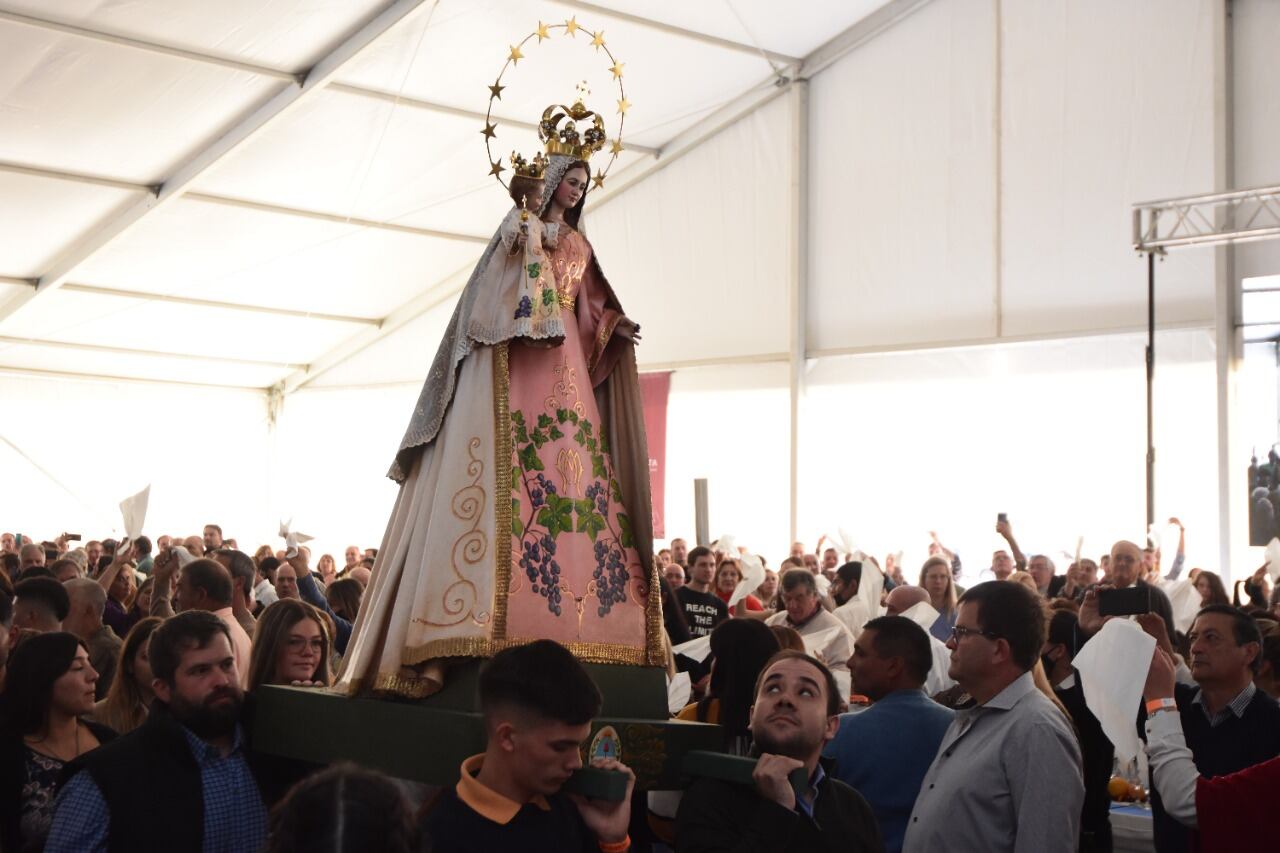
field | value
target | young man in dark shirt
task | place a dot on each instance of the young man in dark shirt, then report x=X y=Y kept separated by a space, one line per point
x=793 y=716
x=538 y=702
x=703 y=609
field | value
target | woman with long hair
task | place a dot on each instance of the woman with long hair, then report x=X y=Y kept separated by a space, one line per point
x=935 y=578
x=128 y=701
x=740 y=648
x=48 y=688
x=1211 y=589
x=344 y=596
x=293 y=644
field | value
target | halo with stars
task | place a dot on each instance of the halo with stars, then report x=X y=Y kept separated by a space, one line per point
x=571 y=28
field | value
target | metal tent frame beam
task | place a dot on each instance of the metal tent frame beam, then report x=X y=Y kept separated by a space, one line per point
x=215 y=150
x=1213 y=219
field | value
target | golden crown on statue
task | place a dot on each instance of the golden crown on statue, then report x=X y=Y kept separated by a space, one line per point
x=529 y=168
x=559 y=131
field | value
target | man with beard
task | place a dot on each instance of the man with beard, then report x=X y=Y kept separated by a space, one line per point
x=182 y=781
x=794 y=715
x=850 y=609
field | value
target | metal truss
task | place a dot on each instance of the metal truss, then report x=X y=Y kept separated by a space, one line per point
x=1207 y=220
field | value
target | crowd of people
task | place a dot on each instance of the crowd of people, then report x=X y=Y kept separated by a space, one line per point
x=882 y=714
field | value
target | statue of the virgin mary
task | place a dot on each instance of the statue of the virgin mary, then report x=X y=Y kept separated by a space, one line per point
x=524 y=509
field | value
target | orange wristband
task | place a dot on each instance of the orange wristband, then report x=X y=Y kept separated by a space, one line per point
x=615 y=846
x=1161 y=705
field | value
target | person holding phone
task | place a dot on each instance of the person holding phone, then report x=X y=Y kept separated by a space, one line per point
x=1125 y=593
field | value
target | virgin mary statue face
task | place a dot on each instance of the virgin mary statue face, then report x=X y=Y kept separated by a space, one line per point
x=571 y=187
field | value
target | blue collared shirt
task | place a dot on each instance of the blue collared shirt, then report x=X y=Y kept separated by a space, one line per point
x=884 y=752
x=235 y=818
x=806 y=806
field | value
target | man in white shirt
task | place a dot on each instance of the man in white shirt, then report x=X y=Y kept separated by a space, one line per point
x=806 y=615
x=850 y=609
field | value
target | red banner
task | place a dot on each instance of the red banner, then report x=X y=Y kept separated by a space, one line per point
x=654 y=388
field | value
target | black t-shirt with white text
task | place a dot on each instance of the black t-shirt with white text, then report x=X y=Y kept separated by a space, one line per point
x=702 y=610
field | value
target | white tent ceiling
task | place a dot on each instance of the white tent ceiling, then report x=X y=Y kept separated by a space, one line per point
x=231 y=193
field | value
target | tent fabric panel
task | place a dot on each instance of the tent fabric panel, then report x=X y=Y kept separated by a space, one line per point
x=84 y=106
x=902 y=187
x=890 y=439
x=698 y=253
x=40 y=217
x=773 y=26
x=1098 y=115
x=131 y=435
x=92 y=318
x=467 y=43
x=288 y=35
x=210 y=251
x=47 y=356
x=731 y=425
x=405 y=355
x=1256 y=32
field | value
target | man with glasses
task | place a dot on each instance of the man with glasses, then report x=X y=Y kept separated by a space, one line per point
x=1007 y=776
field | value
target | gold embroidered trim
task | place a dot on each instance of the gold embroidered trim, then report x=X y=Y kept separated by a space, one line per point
x=481 y=647
x=410 y=688
x=602 y=341
x=657 y=655
x=502 y=455
x=461 y=597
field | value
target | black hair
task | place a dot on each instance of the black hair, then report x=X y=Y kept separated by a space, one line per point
x=1064 y=629
x=542 y=677
x=143 y=546
x=900 y=637
x=210 y=576
x=741 y=648
x=35 y=572
x=851 y=571
x=191 y=629
x=6 y=612
x=1013 y=613
x=1243 y=627
x=12 y=564
x=34 y=666
x=344 y=809
x=833 y=690
x=268 y=564
x=46 y=592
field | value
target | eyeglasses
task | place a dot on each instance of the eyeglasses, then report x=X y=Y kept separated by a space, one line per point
x=959 y=632
x=301 y=644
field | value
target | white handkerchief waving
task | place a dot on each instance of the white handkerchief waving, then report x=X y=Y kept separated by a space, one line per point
x=292 y=539
x=922 y=613
x=678 y=692
x=1113 y=669
x=134 y=510
x=752 y=577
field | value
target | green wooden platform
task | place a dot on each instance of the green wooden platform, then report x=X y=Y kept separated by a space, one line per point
x=427 y=740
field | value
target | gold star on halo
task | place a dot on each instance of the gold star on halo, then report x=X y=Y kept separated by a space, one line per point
x=623 y=106
x=542 y=32
x=597 y=40
x=516 y=55
x=617 y=70
x=598 y=180
x=616 y=148
x=495 y=91
x=571 y=26
x=489 y=129
x=495 y=169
